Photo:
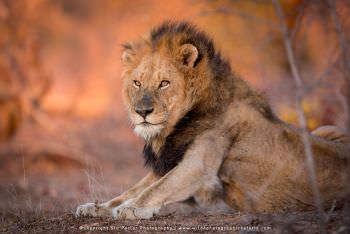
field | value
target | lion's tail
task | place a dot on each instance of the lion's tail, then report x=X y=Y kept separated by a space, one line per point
x=331 y=133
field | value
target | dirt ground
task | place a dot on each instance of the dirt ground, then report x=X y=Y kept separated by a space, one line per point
x=40 y=187
x=65 y=222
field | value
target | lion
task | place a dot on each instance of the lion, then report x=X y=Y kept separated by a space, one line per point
x=212 y=140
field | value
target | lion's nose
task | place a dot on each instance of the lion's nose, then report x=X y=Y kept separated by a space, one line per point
x=144 y=111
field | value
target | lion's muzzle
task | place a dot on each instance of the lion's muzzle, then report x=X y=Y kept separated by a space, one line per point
x=144 y=107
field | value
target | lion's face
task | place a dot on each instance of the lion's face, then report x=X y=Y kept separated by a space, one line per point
x=154 y=92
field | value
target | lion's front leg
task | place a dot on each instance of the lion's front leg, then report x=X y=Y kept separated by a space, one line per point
x=196 y=172
x=174 y=186
x=105 y=209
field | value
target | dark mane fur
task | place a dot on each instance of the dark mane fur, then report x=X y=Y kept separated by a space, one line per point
x=176 y=144
x=188 y=33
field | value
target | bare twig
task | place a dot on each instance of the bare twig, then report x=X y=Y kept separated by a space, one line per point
x=15 y=68
x=344 y=49
x=24 y=169
x=331 y=210
x=322 y=77
x=340 y=33
x=298 y=21
x=301 y=115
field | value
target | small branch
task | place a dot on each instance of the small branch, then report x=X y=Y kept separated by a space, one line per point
x=333 y=61
x=344 y=50
x=340 y=33
x=15 y=68
x=298 y=21
x=301 y=115
x=331 y=210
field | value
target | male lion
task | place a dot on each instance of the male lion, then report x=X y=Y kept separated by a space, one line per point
x=212 y=139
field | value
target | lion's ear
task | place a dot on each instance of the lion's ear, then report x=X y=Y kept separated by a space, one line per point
x=127 y=53
x=188 y=54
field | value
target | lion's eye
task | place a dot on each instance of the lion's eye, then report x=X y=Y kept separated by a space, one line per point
x=137 y=84
x=164 y=84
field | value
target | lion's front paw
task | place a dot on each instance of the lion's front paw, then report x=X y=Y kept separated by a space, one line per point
x=130 y=212
x=92 y=209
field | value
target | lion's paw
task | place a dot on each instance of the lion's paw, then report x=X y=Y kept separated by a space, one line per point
x=130 y=212
x=92 y=210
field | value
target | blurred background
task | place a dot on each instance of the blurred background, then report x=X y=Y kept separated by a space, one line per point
x=64 y=132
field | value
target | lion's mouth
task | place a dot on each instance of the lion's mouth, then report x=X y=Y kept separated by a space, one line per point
x=146 y=123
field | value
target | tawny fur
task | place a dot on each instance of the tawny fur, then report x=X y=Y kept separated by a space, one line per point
x=236 y=153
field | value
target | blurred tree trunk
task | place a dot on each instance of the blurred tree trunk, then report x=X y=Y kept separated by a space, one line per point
x=22 y=80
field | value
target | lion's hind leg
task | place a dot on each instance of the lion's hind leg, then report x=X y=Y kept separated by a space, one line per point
x=210 y=197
